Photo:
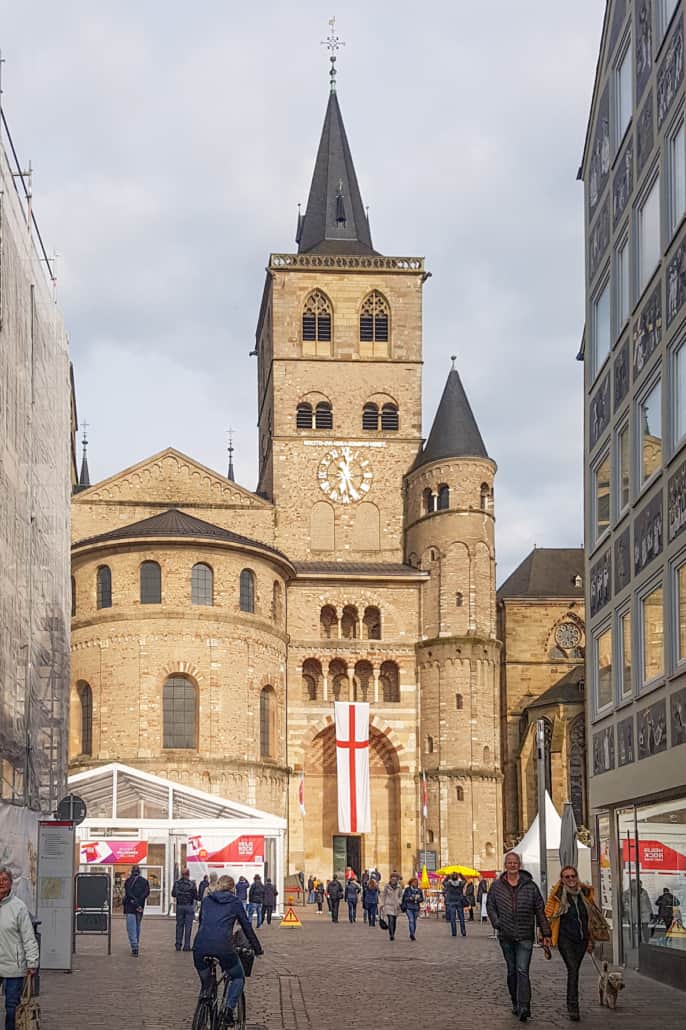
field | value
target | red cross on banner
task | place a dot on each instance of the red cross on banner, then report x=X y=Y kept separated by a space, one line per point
x=352 y=765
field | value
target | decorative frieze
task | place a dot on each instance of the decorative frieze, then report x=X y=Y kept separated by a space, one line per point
x=670 y=74
x=676 y=503
x=625 y=741
x=599 y=411
x=350 y=262
x=652 y=730
x=604 y=751
x=677 y=710
x=648 y=533
x=676 y=282
x=599 y=239
x=647 y=330
x=622 y=560
x=623 y=182
x=644 y=44
x=618 y=18
x=645 y=135
x=599 y=171
x=601 y=582
x=621 y=374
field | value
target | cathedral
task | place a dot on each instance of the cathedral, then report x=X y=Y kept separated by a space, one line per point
x=213 y=627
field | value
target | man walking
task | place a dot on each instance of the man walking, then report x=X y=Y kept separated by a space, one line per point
x=352 y=894
x=256 y=899
x=186 y=894
x=453 y=892
x=334 y=893
x=242 y=891
x=269 y=902
x=136 y=890
x=514 y=907
x=18 y=946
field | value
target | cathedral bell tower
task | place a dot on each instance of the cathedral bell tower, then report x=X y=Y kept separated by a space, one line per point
x=450 y=534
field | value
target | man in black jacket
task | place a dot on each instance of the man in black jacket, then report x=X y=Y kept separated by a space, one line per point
x=515 y=906
x=256 y=899
x=453 y=892
x=334 y=893
x=186 y=894
x=136 y=890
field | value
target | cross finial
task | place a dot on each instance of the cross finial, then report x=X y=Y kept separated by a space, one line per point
x=333 y=43
x=84 y=439
x=229 y=433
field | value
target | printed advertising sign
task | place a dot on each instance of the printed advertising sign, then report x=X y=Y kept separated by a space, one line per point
x=113 y=852
x=244 y=850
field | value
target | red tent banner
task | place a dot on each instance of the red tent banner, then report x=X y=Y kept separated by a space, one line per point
x=113 y=852
x=352 y=766
x=243 y=850
x=654 y=855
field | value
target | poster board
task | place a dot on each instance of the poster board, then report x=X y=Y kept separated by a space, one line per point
x=55 y=892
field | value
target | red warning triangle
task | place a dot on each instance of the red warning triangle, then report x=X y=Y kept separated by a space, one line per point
x=290 y=918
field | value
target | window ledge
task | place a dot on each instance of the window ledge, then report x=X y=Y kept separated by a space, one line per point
x=602 y=539
x=645 y=487
x=602 y=713
x=651 y=686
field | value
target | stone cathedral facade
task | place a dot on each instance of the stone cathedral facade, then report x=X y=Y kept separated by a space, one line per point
x=214 y=627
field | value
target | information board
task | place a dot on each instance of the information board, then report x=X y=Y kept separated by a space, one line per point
x=55 y=892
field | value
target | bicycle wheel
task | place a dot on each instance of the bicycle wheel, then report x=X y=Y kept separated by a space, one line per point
x=239 y=1017
x=204 y=1018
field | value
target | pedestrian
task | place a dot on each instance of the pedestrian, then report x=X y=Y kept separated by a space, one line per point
x=514 y=907
x=376 y=874
x=18 y=945
x=455 y=903
x=319 y=895
x=269 y=904
x=310 y=889
x=256 y=899
x=471 y=899
x=391 y=896
x=186 y=894
x=481 y=892
x=202 y=886
x=665 y=906
x=136 y=890
x=371 y=900
x=219 y=911
x=352 y=896
x=569 y=910
x=241 y=890
x=411 y=901
x=638 y=907
x=334 y=893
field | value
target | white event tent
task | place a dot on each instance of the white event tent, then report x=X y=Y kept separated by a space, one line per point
x=529 y=848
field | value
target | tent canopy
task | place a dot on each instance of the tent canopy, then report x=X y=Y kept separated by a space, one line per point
x=528 y=847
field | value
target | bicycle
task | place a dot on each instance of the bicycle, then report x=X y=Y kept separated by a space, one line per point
x=209 y=1015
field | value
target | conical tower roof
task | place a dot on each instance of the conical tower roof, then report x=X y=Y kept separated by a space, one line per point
x=335 y=219
x=454 y=433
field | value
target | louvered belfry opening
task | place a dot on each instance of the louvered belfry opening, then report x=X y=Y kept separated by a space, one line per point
x=370 y=417
x=303 y=416
x=317 y=318
x=374 y=318
x=389 y=418
x=323 y=416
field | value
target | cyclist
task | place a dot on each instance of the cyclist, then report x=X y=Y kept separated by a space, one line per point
x=218 y=913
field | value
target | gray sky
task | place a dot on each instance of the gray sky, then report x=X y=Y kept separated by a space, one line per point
x=172 y=142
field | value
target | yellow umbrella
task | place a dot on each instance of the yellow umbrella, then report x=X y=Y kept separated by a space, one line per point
x=461 y=870
x=425 y=882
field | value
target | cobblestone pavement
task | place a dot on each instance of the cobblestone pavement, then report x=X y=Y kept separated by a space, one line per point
x=326 y=977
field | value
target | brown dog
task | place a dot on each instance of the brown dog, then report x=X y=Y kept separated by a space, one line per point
x=609 y=986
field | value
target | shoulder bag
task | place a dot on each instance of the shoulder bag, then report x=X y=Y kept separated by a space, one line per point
x=27 y=1016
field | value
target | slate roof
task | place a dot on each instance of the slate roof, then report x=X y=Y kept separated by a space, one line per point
x=454 y=433
x=175 y=523
x=334 y=219
x=356 y=569
x=546 y=572
x=567 y=691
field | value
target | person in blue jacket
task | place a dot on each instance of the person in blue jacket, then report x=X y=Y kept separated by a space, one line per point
x=242 y=891
x=411 y=900
x=371 y=900
x=218 y=913
x=352 y=894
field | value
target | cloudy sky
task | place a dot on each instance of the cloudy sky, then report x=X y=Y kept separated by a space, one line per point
x=171 y=144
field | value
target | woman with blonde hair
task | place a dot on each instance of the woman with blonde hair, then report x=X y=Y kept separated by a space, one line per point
x=576 y=922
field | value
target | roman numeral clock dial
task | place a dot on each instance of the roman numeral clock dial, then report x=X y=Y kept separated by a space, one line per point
x=344 y=475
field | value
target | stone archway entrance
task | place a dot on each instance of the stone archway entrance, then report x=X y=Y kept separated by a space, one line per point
x=379 y=848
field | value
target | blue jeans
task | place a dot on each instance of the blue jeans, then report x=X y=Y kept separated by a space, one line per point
x=184 y=925
x=352 y=911
x=14 y=985
x=133 y=928
x=371 y=914
x=518 y=957
x=231 y=965
x=255 y=909
x=456 y=911
x=412 y=920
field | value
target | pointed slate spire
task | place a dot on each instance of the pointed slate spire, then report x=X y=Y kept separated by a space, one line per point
x=334 y=221
x=84 y=475
x=230 y=474
x=454 y=433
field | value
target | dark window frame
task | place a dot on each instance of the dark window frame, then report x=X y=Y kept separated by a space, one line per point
x=179 y=714
x=150 y=581
x=103 y=587
x=246 y=591
x=202 y=584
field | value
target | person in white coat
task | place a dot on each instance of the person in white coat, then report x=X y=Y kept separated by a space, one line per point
x=18 y=946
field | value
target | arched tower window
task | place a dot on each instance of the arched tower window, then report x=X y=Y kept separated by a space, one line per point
x=370 y=417
x=179 y=713
x=150 y=583
x=86 y=699
x=487 y=755
x=485 y=497
x=363 y=681
x=317 y=317
x=277 y=606
x=338 y=680
x=390 y=421
x=267 y=722
x=349 y=623
x=328 y=623
x=372 y=623
x=459 y=702
x=312 y=678
x=202 y=584
x=459 y=793
x=247 y=591
x=430 y=836
x=374 y=319
x=443 y=497
x=73 y=597
x=459 y=599
x=323 y=416
x=103 y=587
x=428 y=500
x=429 y=745
x=389 y=677
x=304 y=418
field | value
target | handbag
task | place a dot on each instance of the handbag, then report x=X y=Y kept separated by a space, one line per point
x=382 y=923
x=27 y=1016
x=597 y=924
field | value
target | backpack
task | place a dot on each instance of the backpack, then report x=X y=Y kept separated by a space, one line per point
x=27 y=1016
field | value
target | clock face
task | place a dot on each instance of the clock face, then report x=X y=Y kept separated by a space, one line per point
x=567 y=635
x=344 y=475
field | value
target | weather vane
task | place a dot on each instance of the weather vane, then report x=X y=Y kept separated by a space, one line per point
x=333 y=43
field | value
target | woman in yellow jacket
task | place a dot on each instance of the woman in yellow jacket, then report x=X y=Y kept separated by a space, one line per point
x=569 y=910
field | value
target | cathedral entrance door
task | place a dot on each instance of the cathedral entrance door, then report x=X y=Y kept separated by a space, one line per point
x=347 y=851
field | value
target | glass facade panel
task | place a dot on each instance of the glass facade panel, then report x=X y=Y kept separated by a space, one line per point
x=681 y=611
x=625 y=645
x=601 y=494
x=665 y=10
x=650 y=428
x=652 y=631
x=648 y=235
x=623 y=284
x=601 y=328
x=677 y=175
x=624 y=98
x=680 y=394
x=624 y=464
x=603 y=668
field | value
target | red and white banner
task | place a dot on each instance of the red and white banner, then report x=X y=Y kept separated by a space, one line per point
x=301 y=793
x=246 y=850
x=113 y=852
x=352 y=764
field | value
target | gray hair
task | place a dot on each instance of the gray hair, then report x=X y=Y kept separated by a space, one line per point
x=513 y=854
x=6 y=871
x=214 y=877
